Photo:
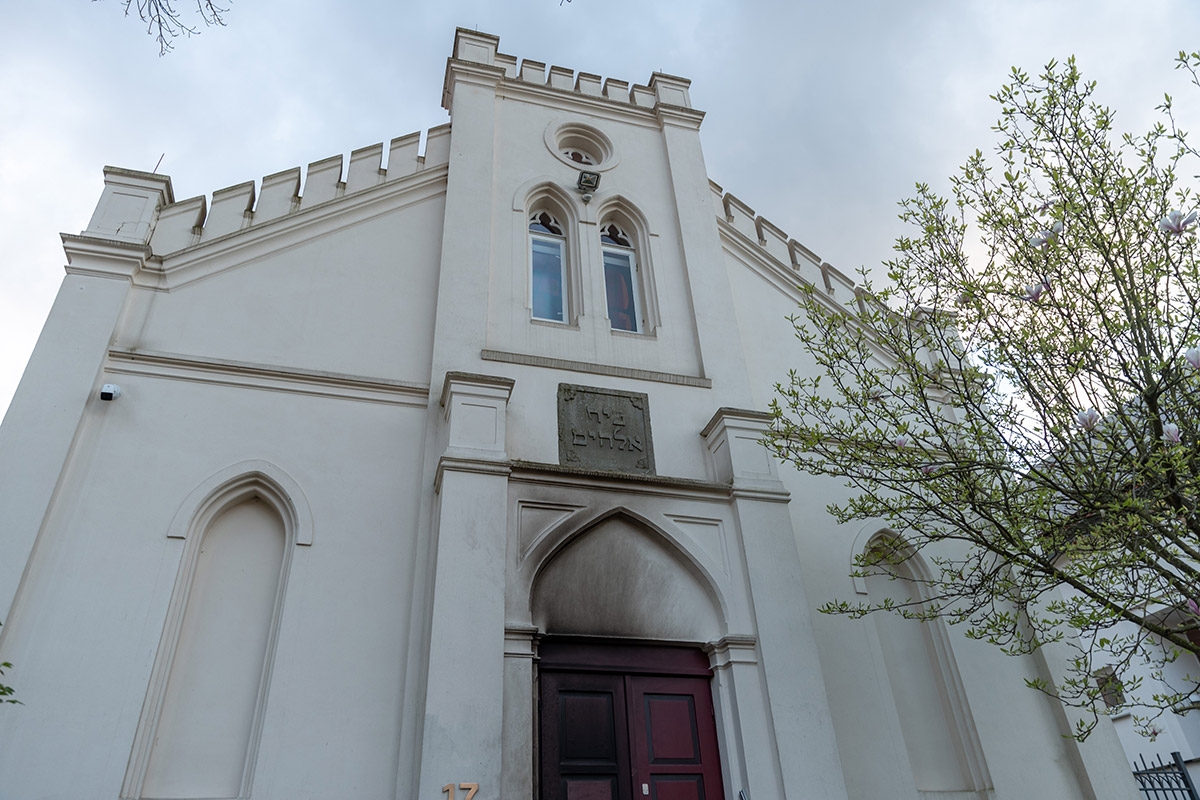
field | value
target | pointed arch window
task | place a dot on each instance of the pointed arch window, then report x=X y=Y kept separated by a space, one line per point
x=547 y=267
x=622 y=283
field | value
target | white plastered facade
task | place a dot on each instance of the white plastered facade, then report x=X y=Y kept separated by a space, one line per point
x=363 y=359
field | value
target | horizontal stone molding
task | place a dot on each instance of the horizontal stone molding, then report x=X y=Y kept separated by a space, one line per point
x=268 y=377
x=103 y=258
x=661 y=485
x=520 y=641
x=452 y=462
x=732 y=649
x=593 y=368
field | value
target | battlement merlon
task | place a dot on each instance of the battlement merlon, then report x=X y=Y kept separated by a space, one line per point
x=478 y=53
x=129 y=205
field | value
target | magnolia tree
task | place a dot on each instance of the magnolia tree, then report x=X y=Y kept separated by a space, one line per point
x=1024 y=412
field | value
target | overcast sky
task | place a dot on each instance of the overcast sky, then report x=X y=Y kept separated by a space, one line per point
x=821 y=115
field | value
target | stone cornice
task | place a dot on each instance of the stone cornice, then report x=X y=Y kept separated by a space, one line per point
x=471 y=73
x=760 y=419
x=498 y=383
x=678 y=116
x=557 y=474
x=478 y=466
x=152 y=181
x=769 y=495
x=103 y=258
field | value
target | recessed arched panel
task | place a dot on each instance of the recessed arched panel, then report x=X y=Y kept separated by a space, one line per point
x=619 y=579
x=206 y=725
x=200 y=726
x=935 y=719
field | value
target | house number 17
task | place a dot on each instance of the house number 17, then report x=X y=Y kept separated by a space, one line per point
x=469 y=788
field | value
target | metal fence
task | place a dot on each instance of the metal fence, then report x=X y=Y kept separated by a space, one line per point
x=1162 y=781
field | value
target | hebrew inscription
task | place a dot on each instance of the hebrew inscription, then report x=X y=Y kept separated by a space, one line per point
x=603 y=429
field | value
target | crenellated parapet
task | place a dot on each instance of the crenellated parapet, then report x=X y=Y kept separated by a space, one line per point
x=238 y=207
x=762 y=236
x=475 y=49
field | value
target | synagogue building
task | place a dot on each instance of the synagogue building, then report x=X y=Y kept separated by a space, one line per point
x=437 y=473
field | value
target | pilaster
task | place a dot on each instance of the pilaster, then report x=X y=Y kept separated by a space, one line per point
x=466 y=261
x=520 y=651
x=60 y=385
x=743 y=713
x=736 y=455
x=464 y=696
x=804 y=741
x=706 y=274
x=1099 y=761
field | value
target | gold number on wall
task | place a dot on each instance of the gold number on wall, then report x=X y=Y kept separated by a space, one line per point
x=469 y=788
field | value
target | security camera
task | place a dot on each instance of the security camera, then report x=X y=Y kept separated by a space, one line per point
x=110 y=391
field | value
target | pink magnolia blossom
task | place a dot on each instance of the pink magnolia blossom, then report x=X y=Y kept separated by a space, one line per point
x=1171 y=433
x=1193 y=607
x=1034 y=291
x=1193 y=357
x=1176 y=222
x=901 y=441
x=1088 y=419
x=1044 y=237
x=928 y=469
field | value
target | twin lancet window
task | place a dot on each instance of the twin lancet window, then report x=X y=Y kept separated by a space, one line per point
x=549 y=281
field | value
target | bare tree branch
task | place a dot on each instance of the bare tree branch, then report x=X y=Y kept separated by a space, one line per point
x=164 y=23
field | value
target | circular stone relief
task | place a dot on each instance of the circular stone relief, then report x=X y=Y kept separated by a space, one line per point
x=580 y=146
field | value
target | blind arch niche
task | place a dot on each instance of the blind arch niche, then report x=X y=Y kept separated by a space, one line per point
x=939 y=732
x=200 y=727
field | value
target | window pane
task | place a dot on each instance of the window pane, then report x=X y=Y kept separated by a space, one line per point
x=547 y=280
x=620 y=289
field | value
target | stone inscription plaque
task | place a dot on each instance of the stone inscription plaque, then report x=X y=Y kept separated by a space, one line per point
x=604 y=429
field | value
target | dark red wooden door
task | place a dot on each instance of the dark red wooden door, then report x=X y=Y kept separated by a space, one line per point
x=585 y=744
x=674 y=738
x=625 y=731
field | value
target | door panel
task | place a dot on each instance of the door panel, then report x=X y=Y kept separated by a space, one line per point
x=589 y=788
x=671 y=729
x=677 y=787
x=585 y=752
x=588 y=728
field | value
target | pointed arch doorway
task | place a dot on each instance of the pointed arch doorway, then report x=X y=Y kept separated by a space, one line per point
x=622 y=721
